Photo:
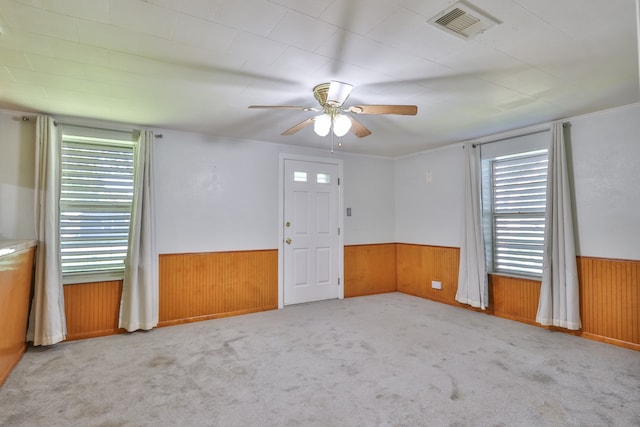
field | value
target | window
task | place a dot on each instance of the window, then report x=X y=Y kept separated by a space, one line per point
x=518 y=201
x=299 y=176
x=323 y=178
x=514 y=182
x=96 y=195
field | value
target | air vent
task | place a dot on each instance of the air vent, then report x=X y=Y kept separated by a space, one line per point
x=463 y=20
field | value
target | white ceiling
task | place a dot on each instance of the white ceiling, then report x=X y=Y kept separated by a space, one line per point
x=197 y=64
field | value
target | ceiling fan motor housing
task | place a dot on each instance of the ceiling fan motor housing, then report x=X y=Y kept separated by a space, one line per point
x=320 y=92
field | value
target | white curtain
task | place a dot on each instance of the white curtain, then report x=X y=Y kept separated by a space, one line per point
x=559 y=303
x=139 y=303
x=472 y=273
x=47 y=322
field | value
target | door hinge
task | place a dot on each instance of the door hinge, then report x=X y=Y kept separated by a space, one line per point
x=338 y=181
x=338 y=280
x=338 y=231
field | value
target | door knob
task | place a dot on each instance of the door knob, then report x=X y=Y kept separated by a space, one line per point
x=288 y=240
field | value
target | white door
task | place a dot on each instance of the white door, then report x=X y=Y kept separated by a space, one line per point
x=311 y=231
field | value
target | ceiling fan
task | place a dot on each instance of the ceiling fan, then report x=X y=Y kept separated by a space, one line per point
x=331 y=97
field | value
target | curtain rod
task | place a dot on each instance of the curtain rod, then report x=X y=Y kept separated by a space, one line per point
x=56 y=122
x=477 y=144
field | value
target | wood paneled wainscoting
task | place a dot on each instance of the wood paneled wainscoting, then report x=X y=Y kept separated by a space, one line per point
x=610 y=300
x=514 y=298
x=609 y=291
x=192 y=287
x=369 y=269
x=92 y=309
x=209 y=285
x=418 y=266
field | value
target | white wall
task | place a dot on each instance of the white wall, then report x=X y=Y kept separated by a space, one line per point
x=218 y=194
x=17 y=159
x=369 y=185
x=215 y=195
x=604 y=149
x=605 y=152
x=429 y=212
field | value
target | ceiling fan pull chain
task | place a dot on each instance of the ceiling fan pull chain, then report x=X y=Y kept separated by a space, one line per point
x=332 y=136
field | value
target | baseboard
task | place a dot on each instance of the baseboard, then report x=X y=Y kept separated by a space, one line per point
x=607 y=340
x=94 y=334
x=514 y=318
x=214 y=316
x=447 y=302
x=372 y=292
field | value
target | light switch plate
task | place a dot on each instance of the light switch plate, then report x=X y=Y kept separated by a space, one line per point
x=436 y=285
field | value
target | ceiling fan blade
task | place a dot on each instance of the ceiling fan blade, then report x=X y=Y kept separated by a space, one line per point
x=297 y=127
x=284 y=107
x=358 y=128
x=338 y=93
x=407 y=110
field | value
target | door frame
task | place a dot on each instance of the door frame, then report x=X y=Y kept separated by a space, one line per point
x=315 y=159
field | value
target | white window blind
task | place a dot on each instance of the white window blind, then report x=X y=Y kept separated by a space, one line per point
x=96 y=195
x=518 y=201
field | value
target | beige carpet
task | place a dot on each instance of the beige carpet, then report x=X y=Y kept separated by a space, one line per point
x=384 y=360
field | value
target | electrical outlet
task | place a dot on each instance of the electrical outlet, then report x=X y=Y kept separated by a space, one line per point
x=436 y=285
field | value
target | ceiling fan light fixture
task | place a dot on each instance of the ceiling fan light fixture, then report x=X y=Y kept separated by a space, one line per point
x=322 y=124
x=341 y=125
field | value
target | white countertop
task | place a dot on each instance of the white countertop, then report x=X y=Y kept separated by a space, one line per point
x=8 y=247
